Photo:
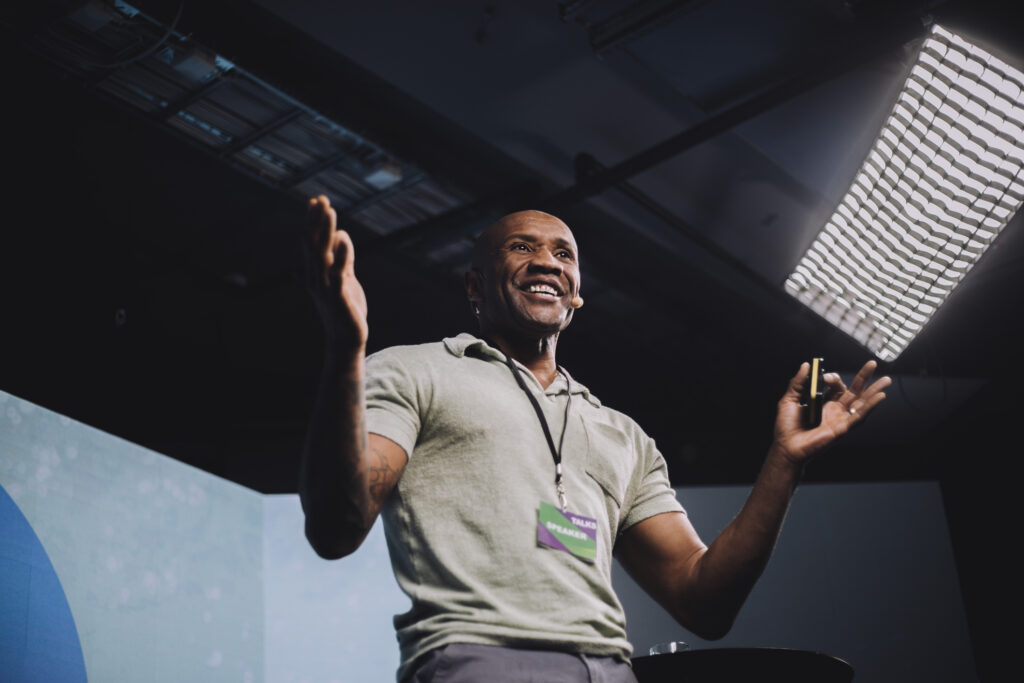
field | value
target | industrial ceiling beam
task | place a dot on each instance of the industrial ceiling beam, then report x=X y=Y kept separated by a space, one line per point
x=244 y=142
x=822 y=70
x=636 y=20
x=879 y=35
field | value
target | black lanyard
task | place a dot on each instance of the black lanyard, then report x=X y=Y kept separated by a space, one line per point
x=555 y=453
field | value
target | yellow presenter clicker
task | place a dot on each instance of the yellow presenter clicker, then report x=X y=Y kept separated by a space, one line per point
x=814 y=394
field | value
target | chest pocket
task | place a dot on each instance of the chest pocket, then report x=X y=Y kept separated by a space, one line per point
x=609 y=459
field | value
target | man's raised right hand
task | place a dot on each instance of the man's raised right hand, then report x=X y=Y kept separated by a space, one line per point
x=331 y=279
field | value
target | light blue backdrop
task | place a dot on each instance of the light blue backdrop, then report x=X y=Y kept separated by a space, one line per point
x=326 y=621
x=161 y=563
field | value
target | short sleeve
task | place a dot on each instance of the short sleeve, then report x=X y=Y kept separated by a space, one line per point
x=392 y=400
x=650 y=492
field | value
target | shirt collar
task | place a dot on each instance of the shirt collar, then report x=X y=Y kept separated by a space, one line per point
x=465 y=343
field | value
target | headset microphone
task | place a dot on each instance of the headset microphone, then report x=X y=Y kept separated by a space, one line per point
x=577 y=301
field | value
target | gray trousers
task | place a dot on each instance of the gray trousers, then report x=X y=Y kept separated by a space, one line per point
x=469 y=663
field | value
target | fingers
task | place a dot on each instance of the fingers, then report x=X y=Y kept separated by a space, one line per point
x=853 y=402
x=796 y=384
x=344 y=252
x=342 y=261
x=333 y=252
x=318 y=219
x=860 y=407
x=836 y=387
x=857 y=388
x=321 y=219
x=878 y=387
x=863 y=400
x=863 y=377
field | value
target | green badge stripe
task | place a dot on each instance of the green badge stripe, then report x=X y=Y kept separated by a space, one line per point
x=576 y=540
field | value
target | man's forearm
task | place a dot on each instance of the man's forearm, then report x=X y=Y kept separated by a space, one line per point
x=334 y=482
x=732 y=564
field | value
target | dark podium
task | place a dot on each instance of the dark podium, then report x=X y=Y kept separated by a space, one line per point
x=742 y=665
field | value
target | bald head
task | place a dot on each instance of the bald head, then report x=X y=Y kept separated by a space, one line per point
x=491 y=238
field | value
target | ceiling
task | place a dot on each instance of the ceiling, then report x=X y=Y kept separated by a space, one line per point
x=151 y=278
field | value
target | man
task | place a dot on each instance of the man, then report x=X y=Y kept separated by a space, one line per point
x=506 y=486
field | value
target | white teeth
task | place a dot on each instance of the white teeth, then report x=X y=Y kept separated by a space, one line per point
x=543 y=289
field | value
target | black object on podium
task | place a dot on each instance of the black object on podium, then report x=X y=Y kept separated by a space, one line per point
x=742 y=665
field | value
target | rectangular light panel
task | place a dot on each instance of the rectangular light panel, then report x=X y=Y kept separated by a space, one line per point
x=942 y=180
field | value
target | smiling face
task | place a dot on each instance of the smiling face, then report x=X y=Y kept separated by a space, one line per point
x=525 y=274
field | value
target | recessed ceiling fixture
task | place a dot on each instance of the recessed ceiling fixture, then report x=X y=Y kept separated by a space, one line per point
x=942 y=180
x=236 y=116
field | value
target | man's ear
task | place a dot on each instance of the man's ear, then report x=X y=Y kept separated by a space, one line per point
x=474 y=285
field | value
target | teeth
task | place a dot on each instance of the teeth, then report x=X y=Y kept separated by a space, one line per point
x=543 y=289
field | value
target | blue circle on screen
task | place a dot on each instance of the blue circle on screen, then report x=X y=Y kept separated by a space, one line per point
x=38 y=639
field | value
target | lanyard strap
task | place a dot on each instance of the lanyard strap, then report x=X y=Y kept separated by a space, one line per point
x=556 y=454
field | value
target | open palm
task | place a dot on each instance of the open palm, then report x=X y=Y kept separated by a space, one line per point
x=844 y=408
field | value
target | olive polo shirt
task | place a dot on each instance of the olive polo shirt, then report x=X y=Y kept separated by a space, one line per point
x=461 y=525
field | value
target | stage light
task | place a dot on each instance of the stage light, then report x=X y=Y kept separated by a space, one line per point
x=940 y=183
